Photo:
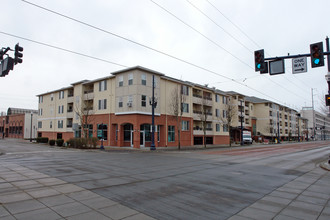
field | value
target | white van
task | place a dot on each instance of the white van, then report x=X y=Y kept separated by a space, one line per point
x=247 y=138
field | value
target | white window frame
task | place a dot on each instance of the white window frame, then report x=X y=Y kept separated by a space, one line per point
x=121 y=81
x=130 y=79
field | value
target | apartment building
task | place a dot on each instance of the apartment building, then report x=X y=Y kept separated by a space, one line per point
x=272 y=120
x=117 y=109
x=318 y=124
x=19 y=123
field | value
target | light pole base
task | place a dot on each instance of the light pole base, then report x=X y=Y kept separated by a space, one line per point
x=152 y=147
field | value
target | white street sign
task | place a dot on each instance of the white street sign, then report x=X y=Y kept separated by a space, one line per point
x=327 y=77
x=299 y=65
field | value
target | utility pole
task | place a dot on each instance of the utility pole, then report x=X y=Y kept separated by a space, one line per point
x=328 y=59
x=313 y=114
x=278 y=127
x=242 y=117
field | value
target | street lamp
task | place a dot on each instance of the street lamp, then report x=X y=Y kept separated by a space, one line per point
x=102 y=147
x=3 y=131
x=153 y=104
x=31 y=128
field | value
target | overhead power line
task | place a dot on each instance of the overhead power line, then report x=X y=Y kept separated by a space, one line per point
x=253 y=41
x=219 y=26
x=233 y=24
x=203 y=35
x=63 y=49
x=150 y=48
x=166 y=10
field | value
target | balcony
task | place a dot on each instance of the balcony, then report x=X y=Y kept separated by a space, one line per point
x=70 y=99
x=88 y=95
x=199 y=131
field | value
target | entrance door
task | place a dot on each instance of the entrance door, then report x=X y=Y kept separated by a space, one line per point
x=142 y=139
x=132 y=139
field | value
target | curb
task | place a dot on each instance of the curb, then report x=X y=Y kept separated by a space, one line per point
x=325 y=165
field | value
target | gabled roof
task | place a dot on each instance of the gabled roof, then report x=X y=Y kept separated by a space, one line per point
x=138 y=68
x=254 y=99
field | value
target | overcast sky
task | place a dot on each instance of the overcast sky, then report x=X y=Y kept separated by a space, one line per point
x=202 y=41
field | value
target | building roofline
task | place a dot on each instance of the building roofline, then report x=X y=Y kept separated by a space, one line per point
x=138 y=68
x=53 y=91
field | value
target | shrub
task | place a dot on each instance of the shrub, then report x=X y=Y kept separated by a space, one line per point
x=51 y=142
x=93 y=141
x=59 y=142
x=82 y=143
x=42 y=140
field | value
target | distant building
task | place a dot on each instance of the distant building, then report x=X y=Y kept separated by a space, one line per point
x=17 y=123
x=318 y=124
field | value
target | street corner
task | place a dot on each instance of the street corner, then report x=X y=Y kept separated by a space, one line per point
x=325 y=165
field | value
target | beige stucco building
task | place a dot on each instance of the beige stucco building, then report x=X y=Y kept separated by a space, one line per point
x=117 y=108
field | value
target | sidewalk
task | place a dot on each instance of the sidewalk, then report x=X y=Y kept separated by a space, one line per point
x=306 y=197
x=28 y=194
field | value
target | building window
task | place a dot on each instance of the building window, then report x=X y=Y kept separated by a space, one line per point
x=121 y=80
x=102 y=104
x=224 y=113
x=143 y=101
x=128 y=132
x=39 y=124
x=185 y=126
x=51 y=97
x=184 y=90
x=146 y=128
x=171 y=133
x=217 y=98
x=40 y=112
x=217 y=112
x=143 y=79
x=185 y=107
x=103 y=85
x=61 y=109
x=102 y=131
x=120 y=102
x=225 y=128
x=51 y=124
x=41 y=99
x=130 y=79
x=217 y=127
x=224 y=100
x=61 y=95
x=60 y=124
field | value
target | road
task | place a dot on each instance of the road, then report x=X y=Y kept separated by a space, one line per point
x=263 y=182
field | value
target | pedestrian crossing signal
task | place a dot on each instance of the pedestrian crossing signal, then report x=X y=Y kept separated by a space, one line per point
x=327 y=100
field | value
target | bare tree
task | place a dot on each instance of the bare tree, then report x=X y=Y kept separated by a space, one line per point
x=176 y=107
x=228 y=116
x=85 y=112
x=203 y=114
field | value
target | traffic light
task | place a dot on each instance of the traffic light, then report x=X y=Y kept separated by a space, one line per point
x=259 y=60
x=317 y=59
x=18 y=54
x=327 y=100
x=6 y=65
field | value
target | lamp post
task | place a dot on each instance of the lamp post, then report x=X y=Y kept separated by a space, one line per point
x=278 y=127
x=31 y=128
x=3 y=131
x=153 y=104
x=242 y=118
x=102 y=147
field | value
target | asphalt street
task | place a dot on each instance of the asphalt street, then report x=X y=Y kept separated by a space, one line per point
x=264 y=182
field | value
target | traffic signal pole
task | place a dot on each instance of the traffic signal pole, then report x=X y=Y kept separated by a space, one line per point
x=296 y=56
x=328 y=59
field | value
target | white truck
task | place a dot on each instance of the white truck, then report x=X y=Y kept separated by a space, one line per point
x=247 y=138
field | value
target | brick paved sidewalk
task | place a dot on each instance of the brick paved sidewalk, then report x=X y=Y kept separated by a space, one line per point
x=28 y=194
x=306 y=197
